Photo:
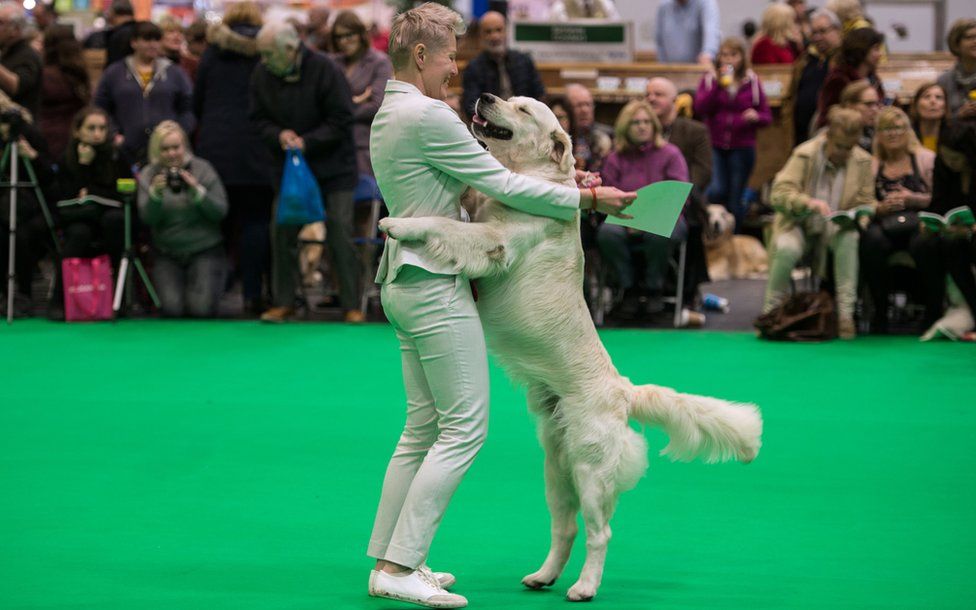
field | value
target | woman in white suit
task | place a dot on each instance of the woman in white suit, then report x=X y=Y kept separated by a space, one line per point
x=424 y=158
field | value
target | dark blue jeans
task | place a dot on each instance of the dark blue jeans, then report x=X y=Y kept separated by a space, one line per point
x=730 y=173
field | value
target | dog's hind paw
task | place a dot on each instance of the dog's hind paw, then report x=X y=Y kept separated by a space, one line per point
x=581 y=592
x=538 y=580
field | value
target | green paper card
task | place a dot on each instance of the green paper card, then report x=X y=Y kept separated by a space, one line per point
x=656 y=208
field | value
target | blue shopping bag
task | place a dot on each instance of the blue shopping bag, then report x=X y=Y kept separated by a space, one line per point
x=300 y=201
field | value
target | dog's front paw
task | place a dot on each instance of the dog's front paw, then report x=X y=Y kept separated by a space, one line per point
x=404 y=229
x=538 y=580
x=581 y=592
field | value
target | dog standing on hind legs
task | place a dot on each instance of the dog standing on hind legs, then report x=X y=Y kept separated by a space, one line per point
x=530 y=277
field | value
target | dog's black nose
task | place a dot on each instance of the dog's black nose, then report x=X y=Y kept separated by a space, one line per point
x=487 y=98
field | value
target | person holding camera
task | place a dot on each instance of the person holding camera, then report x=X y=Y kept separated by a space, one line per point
x=183 y=202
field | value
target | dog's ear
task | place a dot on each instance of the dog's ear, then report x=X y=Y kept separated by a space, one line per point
x=562 y=150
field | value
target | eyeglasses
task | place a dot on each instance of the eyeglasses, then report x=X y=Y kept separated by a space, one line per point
x=872 y=104
x=636 y=122
x=822 y=31
x=339 y=37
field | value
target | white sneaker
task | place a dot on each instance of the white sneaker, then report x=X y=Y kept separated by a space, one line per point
x=445 y=579
x=417 y=587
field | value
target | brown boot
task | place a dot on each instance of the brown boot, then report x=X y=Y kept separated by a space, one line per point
x=278 y=314
x=354 y=316
x=846 y=329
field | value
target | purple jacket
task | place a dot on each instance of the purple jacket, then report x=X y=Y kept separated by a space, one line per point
x=723 y=113
x=634 y=168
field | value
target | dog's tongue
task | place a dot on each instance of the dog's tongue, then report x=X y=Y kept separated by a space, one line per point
x=477 y=120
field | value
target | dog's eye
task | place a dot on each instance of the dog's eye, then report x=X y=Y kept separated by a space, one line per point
x=525 y=110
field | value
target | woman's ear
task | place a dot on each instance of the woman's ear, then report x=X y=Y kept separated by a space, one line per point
x=420 y=55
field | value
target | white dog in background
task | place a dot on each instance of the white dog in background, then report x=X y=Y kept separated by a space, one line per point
x=530 y=272
x=731 y=256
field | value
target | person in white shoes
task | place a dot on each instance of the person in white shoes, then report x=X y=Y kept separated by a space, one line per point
x=423 y=158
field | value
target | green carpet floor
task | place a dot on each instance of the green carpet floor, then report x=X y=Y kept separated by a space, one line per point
x=179 y=465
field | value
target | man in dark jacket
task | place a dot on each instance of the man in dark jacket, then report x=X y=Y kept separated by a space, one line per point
x=20 y=65
x=497 y=69
x=300 y=99
x=809 y=72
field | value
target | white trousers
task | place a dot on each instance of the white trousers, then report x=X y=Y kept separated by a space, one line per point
x=445 y=374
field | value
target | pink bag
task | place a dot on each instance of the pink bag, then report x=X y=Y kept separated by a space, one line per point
x=87 y=289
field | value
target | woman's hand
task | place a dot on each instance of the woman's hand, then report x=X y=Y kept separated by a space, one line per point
x=86 y=153
x=750 y=115
x=189 y=179
x=26 y=150
x=362 y=97
x=157 y=185
x=289 y=139
x=895 y=200
x=82 y=193
x=609 y=200
x=967 y=111
x=588 y=179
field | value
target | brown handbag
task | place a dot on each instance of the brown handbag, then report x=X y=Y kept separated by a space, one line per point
x=805 y=316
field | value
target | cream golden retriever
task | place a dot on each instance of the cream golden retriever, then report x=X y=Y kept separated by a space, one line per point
x=530 y=278
x=731 y=256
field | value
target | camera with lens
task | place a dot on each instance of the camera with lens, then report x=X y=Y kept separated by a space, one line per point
x=14 y=121
x=174 y=181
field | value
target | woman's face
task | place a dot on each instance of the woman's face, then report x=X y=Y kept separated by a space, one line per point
x=439 y=67
x=641 y=130
x=967 y=45
x=172 y=151
x=868 y=106
x=347 y=42
x=894 y=137
x=562 y=115
x=932 y=105
x=173 y=41
x=728 y=56
x=146 y=49
x=873 y=58
x=93 y=130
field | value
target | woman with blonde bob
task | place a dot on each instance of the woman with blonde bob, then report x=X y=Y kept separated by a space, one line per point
x=902 y=185
x=423 y=158
x=183 y=202
x=642 y=157
x=779 y=40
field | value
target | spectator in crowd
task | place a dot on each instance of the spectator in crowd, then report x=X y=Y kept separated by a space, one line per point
x=317 y=35
x=929 y=114
x=498 y=69
x=45 y=15
x=903 y=186
x=691 y=138
x=642 y=157
x=863 y=98
x=809 y=73
x=960 y=81
x=563 y=112
x=229 y=141
x=802 y=20
x=142 y=90
x=196 y=38
x=182 y=201
x=564 y=10
x=174 y=46
x=828 y=173
x=20 y=65
x=779 y=40
x=367 y=71
x=34 y=240
x=860 y=54
x=592 y=141
x=687 y=31
x=300 y=99
x=850 y=13
x=90 y=165
x=65 y=88
x=117 y=38
x=732 y=103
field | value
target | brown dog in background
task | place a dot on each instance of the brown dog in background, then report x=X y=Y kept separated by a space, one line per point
x=731 y=256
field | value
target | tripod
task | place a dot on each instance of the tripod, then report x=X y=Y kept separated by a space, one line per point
x=127 y=187
x=11 y=151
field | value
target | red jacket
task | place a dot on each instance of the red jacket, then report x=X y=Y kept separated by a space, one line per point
x=765 y=51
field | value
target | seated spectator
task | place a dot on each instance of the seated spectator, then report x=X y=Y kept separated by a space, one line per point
x=20 y=64
x=592 y=141
x=687 y=31
x=33 y=238
x=779 y=37
x=903 y=186
x=960 y=80
x=863 y=98
x=142 y=90
x=231 y=143
x=90 y=165
x=860 y=54
x=850 y=13
x=367 y=71
x=564 y=10
x=929 y=113
x=642 y=157
x=498 y=69
x=65 y=88
x=732 y=103
x=564 y=114
x=825 y=174
x=182 y=201
x=809 y=73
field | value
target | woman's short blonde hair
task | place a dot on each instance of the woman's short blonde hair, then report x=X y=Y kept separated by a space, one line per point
x=622 y=126
x=777 y=21
x=430 y=24
x=844 y=120
x=851 y=94
x=891 y=116
x=243 y=13
x=846 y=10
x=957 y=31
x=162 y=131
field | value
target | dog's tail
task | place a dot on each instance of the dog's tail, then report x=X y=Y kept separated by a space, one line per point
x=699 y=426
